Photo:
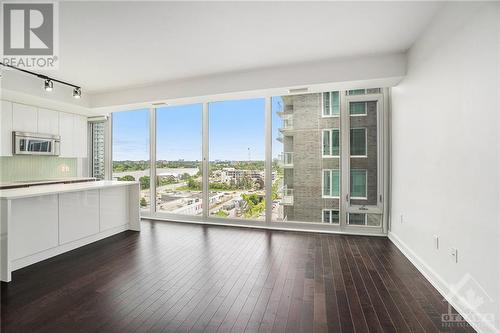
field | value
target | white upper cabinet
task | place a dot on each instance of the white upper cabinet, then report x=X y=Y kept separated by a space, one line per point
x=48 y=122
x=6 y=129
x=80 y=132
x=24 y=118
x=67 y=134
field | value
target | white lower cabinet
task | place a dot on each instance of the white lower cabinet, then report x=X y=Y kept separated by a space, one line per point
x=113 y=215
x=34 y=225
x=78 y=215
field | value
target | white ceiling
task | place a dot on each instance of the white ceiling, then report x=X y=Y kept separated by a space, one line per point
x=107 y=46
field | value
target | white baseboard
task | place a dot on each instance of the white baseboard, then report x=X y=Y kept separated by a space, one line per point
x=442 y=287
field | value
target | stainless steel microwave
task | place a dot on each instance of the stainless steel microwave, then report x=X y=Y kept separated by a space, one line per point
x=35 y=144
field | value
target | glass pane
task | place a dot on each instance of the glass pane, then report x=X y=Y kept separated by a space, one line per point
x=178 y=160
x=358 y=142
x=356 y=219
x=304 y=190
x=357 y=92
x=335 y=183
x=336 y=142
x=131 y=150
x=326 y=143
x=326 y=104
x=326 y=216
x=358 y=184
x=327 y=181
x=364 y=155
x=335 y=217
x=236 y=159
x=357 y=108
x=335 y=103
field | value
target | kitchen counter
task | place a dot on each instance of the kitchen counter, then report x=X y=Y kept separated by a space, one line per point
x=17 y=184
x=40 y=222
x=33 y=191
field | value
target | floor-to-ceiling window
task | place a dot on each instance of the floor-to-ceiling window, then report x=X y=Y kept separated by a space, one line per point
x=236 y=159
x=130 y=149
x=323 y=150
x=178 y=160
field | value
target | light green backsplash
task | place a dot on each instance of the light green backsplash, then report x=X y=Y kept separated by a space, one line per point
x=18 y=168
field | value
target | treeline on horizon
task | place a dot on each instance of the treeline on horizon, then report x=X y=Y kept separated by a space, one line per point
x=123 y=166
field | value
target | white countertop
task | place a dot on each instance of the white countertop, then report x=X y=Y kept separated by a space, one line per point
x=16 y=184
x=33 y=191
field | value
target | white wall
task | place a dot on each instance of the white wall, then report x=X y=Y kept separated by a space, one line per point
x=445 y=155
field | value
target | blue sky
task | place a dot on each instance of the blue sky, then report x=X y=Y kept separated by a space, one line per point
x=234 y=127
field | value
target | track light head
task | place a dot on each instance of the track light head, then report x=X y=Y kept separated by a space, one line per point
x=48 y=85
x=77 y=92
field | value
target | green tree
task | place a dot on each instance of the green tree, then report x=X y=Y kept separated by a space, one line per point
x=143 y=202
x=127 y=178
x=144 y=181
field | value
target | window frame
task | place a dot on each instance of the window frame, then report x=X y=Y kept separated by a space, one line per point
x=329 y=130
x=330 y=210
x=358 y=114
x=383 y=107
x=331 y=115
x=331 y=184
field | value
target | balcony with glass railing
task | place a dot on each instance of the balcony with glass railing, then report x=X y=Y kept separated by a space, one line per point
x=287 y=123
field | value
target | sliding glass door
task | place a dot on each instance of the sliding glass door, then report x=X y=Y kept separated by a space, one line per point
x=236 y=159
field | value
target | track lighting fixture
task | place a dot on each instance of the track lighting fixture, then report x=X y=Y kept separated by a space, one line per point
x=48 y=83
x=77 y=92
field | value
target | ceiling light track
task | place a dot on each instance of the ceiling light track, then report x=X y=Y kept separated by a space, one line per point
x=48 y=81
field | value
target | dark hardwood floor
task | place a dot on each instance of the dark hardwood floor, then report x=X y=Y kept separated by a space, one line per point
x=181 y=277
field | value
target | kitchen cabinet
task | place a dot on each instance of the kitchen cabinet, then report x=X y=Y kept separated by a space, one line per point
x=48 y=122
x=67 y=134
x=78 y=215
x=80 y=133
x=24 y=118
x=6 y=129
x=34 y=223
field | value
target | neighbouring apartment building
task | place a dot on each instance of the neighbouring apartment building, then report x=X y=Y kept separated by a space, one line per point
x=312 y=154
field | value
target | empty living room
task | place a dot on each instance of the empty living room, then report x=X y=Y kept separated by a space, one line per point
x=250 y=166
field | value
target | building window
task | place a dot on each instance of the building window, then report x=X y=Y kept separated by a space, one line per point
x=356 y=219
x=358 y=142
x=331 y=104
x=331 y=216
x=331 y=143
x=358 y=184
x=363 y=91
x=331 y=183
x=357 y=108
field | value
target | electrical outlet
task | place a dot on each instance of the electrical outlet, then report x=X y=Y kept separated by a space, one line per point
x=401 y=218
x=454 y=254
x=436 y=242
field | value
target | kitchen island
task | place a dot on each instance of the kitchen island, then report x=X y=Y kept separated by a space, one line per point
x=40 y=222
